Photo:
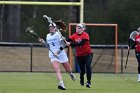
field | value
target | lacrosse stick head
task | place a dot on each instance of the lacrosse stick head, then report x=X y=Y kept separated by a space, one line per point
x=31 y=31
x=133 y=35
x=131 y=40
x=49 y=18
x=52 y=25
x=61 y=25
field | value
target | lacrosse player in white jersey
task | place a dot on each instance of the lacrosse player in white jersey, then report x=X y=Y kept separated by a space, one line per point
x=58 y=54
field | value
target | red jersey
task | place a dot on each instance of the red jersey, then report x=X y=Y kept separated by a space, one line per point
x=137 y=39
x=85 y=48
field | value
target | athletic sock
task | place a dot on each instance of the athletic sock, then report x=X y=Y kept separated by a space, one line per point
x=61 y=81
x=61 y=85
x=139 y=76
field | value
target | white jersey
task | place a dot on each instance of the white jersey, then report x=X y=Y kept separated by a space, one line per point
x=55 y=42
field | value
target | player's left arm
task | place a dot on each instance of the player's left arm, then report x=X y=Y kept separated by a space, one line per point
x=82 y=42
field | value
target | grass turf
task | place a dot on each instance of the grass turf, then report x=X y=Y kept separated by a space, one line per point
x=47 y=83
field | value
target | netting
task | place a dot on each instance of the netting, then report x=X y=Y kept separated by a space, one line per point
x=31 y=58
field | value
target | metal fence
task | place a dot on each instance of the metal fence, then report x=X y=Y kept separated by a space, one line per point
x=32 y=57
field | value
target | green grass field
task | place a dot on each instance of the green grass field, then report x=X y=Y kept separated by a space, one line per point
x=47 y=83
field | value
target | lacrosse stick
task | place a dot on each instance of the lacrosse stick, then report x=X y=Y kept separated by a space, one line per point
x=131 y=42
x=127 y=57
x=32 y=32
x=60 y=24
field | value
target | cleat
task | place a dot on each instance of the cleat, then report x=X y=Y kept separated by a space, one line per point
x=61 y=86
x=82 y=82
x=88 y=85
x=73 y=77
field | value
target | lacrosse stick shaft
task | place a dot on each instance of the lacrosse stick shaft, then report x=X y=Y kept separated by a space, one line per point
x=49 y=49
x=36 y=36
x=46 y=45
x=32 y=32
x=127 y=57
x=62 y=36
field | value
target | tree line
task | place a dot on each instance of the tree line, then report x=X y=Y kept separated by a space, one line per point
x=14 y=19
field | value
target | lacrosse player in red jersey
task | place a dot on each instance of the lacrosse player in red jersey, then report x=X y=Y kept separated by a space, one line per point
x=137 y=51
x=57 y=45
x=135 y=43
x=84 y=55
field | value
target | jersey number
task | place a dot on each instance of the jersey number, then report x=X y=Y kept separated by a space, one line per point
x=53 y=44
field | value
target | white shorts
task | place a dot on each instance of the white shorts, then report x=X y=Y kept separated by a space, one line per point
x=62 y=58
